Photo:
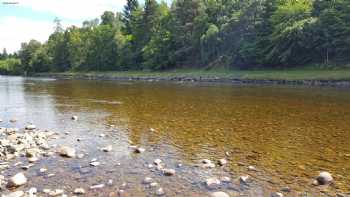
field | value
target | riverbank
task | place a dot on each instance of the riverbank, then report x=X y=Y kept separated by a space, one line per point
x=290 y=77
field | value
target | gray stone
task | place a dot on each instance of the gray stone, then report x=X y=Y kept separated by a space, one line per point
x=277 y=194
x=79 y=191
x=66 y=151
x=222 y=162
x=160 y=192
x=324 y=178
x=212 y=182
x=169 y=172
x=30 y=127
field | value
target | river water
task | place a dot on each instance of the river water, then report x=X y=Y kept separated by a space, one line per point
x=289 y=134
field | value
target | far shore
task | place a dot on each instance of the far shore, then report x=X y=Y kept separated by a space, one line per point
x=309 y=77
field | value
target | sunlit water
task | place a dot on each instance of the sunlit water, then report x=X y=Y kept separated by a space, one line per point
x=288 y=133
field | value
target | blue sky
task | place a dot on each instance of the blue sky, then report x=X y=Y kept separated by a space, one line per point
x=22 y=20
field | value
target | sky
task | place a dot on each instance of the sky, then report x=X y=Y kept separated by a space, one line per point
x=22 y=20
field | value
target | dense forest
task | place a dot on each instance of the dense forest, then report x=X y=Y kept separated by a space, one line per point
x=197 y=34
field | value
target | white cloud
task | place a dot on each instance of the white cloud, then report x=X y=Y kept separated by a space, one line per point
x=15 y=30
x=74 y=9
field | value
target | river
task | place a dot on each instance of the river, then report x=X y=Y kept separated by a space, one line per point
x=288 y=133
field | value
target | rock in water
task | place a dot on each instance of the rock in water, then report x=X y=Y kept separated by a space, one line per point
x=147 y=180
x=107 y=148
x=140 y=150
x=222 y=162
x=79 y=191
x=15 y=194
x=324 y=178
x=75 y=118
x=219 y=194
x=66 y=151
x=160 y=192
x=244 y=179
x=212 y=182
x=30 y=127
x=277 y=194
x=17 y=180
x=169 y=172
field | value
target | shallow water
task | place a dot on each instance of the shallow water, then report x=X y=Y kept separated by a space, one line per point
x=288 y=133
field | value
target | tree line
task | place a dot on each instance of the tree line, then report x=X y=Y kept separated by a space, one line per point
x=198 y=34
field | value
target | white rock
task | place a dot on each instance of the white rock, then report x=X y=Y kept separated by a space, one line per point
x=66 y=151
x=56 y=192
x=97 y=186
x=140 y=150
x=42 y=170
x=252 y=168
x=212 y=182
x=15 y=194
x=17 y=180
x=244 y=179
x=277 y=194
x=147 y=180
x=30 y=127
x=107 y=148
x=95 y=163
x=75 y=118
x=160 y=192
x=79 y=191
x=154 y=184
x=219 y=194
x=225 y=179
x=222 y=162
x=157 y=161
x=206 y=161
x=208 y=165
x=32 y=191
x=324 y=178
x=169 y=172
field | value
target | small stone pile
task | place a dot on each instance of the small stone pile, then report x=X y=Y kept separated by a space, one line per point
x=30 y=142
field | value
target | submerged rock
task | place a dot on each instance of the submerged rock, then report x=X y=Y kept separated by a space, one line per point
x=212 y=183
x=15 y=194
x=160 y=192
x=277 y=194
x=107 y=148
x=219 y=194
x=17 y=180
x=324 y=178
x=169 y=172
x=244 y=179
x=66 y=151
x=222 y=162
x=79 y=191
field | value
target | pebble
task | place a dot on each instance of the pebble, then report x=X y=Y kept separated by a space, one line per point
x=17 y=180
x=160 y=192
x=147 y=180
x=15 y=194
x=66 y=151
x=219 y=194
x=285 y=189
x=80 y=156
x=225 y=179
x=32 y=191
x=169 y=172
x=157 y=162
x=244 y=179
x=97 y=186
x=13 y=120
x=107 y=148
x=324 y=178
x=212 y=182
x=252 y=168
x=30 y=127
x=75 y=118
x=208 y=165
x=206 y=161
x=33 y=159
x=42 y=170
x=140 y=150
x=95 y=163
x=102 y=135
x=222 y=162
x=56 y=192
x=79 y=191
x=154 y=184
x=277 y=194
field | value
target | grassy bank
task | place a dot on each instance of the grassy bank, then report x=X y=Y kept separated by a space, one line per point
x=292 y=74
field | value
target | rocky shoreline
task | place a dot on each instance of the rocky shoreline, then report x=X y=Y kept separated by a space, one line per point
x=33 y=144
x=311 y=82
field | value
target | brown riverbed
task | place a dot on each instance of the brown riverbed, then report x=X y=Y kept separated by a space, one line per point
x=288 y=133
